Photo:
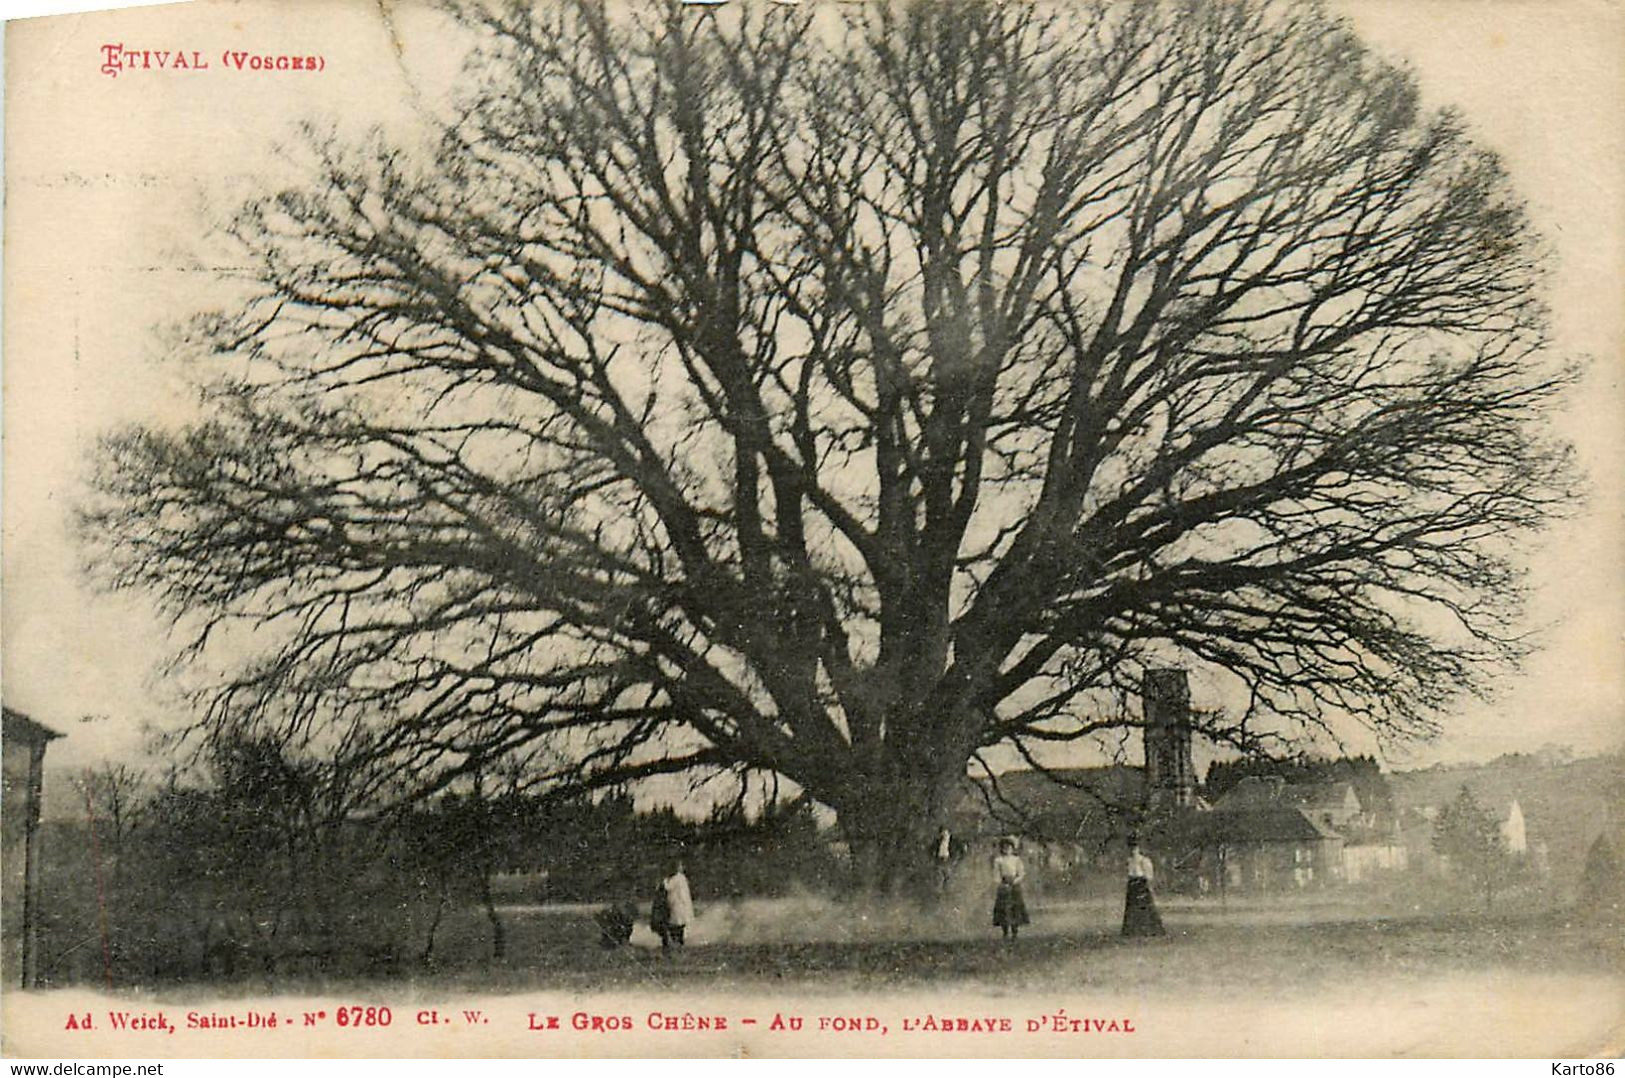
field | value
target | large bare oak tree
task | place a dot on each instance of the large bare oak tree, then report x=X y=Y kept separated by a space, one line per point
x=837 y=393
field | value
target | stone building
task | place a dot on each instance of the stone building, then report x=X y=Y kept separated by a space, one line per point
x=22 y=760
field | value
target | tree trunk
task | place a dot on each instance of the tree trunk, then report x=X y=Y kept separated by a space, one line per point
x=499 y=938
x=890 y=821
x=426 y=959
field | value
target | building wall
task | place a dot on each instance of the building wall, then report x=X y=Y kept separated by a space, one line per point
x=1285 y=865
x=19 y=814
x=1342 y=817
x=1365 y=860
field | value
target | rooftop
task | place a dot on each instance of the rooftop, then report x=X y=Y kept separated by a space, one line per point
x=19 y=727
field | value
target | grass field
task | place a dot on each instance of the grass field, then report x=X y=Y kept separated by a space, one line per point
x=1302 y=976
x=1294 y=943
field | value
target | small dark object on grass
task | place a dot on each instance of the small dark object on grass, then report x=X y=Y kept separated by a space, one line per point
x=615 y=925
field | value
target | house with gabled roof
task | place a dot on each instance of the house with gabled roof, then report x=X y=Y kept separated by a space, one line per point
x=1081 y=804
x=1368 y=845
x=1262 y=847
x=1331 y=804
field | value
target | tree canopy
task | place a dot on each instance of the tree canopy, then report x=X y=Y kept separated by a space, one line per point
x=840 y=392
x=1469 y=838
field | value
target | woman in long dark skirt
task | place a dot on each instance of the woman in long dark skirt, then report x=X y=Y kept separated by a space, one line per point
x=1140 y=916
x=1009 y=907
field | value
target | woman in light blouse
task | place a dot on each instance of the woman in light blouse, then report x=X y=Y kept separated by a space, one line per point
x=1009 y=908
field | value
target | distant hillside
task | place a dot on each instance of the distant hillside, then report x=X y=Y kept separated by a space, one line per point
x=1565 y=804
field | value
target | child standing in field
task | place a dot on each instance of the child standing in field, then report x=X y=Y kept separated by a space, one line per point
x=942 y=858
x=1009 y=907
x=1140 y=916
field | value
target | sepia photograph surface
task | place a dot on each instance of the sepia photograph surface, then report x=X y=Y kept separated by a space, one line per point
x=885 y=528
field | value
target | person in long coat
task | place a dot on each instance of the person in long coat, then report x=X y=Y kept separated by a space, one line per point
x=660 y=913
x=1140 y=916
x=679 y=906
x=1009 y=907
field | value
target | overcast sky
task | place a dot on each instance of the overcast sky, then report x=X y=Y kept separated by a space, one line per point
x=111 y=183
